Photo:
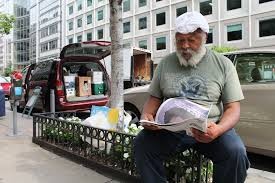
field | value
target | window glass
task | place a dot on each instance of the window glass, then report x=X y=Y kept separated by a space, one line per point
x=89 y=19
x=126 y=5
x=234 y=32
x=100 y=15
x=160 y=18
x=100 y=34
x=161 y=43
x=71 y=9
x=79 y=5
x=42 y=71
x=256 y=67
x=158 y=0
x=181 y=10
x=264 y=1
x=267 y=27
x=142 y=3
x=71 y=40
x=142 y=44
x=79 y=22
x=142 y=23
x=89 y=3
x=89 y=36
x=206 y=7
x=79 y=38
x=126 y=27
x=71 y=25
x=210 y=37
x=234 y=4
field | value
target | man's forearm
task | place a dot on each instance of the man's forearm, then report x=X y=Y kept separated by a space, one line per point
x=151 y=106
x=230 y=116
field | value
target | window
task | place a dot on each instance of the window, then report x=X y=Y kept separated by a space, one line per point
x=71 y=10
x=79 y=22
x=89 y=36
x=181 y=10
x=100 y=15
x=126 y=5
x=206 y=7
x=53 y=29
x=234 y=4
x=79 y=5
x=158 y=0
x=100 y=34
x=70 y=40
x=234 y=32
x=267 y=27
x=210 y=37
x=142 y=23
x=89 y=3
x=53 y=45
x=79 y=38
x=89 y=19
x=142 y=3
x=264 y=1
x=160 y=19
x=161 y=43
x=71 y=26
x=142 y=44
x=126 y=27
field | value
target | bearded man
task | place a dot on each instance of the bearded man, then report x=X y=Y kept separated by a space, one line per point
x=204 y=77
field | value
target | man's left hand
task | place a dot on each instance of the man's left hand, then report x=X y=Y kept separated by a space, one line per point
x=213 y=131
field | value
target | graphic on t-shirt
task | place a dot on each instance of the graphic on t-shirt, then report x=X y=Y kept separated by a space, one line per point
x=194 y=87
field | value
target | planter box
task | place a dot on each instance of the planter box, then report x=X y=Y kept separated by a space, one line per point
x=109 y=151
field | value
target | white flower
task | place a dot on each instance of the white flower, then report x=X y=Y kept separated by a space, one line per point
x=133 y=125
x=188 y=171
x=140 y=127
x=126 y=155
x=126 y=130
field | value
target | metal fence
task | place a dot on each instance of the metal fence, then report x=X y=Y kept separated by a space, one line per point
x=110 y=151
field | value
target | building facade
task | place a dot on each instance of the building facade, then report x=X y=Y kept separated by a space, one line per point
x=150 y=23
x=45 y=29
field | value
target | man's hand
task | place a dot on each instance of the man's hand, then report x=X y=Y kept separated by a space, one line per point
x=149 y=117
x=213 y=131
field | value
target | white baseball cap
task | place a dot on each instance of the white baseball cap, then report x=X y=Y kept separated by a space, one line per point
x=190 y=22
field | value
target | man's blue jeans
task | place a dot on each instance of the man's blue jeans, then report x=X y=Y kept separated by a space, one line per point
x=227 y=152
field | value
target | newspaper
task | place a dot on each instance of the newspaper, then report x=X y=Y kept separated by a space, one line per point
x=179 y=114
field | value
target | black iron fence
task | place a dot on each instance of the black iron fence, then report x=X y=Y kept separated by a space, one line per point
x=110 y=151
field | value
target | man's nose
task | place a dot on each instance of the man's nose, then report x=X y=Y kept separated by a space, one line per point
x=185 y=45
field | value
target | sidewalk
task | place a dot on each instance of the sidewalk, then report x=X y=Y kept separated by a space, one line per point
x=20 y=160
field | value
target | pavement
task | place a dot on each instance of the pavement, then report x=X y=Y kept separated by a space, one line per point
x=23 y=161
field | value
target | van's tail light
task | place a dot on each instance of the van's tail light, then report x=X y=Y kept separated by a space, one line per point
x=59 y=88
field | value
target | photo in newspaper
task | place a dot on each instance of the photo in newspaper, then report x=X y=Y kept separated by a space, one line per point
x=179 y=114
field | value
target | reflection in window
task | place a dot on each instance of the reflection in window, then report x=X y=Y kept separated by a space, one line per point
x=71 y=40
x=265 y=1
x=210 y=37
x=161 y=43
x=89 y=36
x=126 y=27
x=79 y=22
x=79 y=5
x=142 y=44
x=71 y=26
x=267 y=27
x=142 y=3
x=234 y=32
x=206 y=7
x=160 y=18
x=71 y=10
x=89 y=19
x=100 y=15
x=79 y=38
x=181 y=10
x=126 y=5
x=100 y=34
x=234 y=4
x=142 y=23
x=89 y=3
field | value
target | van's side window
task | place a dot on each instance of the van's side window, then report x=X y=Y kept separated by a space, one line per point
x=256 y=67
x=42 y=71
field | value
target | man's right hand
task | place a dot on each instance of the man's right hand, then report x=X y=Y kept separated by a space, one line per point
x=149 y=117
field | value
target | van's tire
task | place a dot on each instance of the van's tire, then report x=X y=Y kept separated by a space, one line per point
x=133 y=111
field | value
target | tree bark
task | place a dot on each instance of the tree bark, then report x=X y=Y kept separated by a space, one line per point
x=116 y=98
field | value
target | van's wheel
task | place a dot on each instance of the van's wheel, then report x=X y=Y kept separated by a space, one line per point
x=133 y=111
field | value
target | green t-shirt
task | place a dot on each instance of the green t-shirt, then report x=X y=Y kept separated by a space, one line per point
x=213 y=81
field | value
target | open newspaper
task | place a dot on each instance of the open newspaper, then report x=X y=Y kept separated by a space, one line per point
x=179 y=114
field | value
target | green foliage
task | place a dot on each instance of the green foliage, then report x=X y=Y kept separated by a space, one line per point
x=8 y=70
x=6 y=22
x=223 y=49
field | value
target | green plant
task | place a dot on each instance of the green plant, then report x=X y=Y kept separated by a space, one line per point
x=223 y=49
x=6 y=22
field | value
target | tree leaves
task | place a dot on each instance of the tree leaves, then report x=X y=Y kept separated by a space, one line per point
x=6 y=22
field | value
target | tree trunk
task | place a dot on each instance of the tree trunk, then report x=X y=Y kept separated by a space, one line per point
x=116 y=98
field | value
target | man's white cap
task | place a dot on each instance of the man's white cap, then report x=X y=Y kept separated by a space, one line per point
x=190 y=22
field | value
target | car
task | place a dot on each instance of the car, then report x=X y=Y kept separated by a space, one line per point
x=78 y=78
x=5 y=85
x=257 y=121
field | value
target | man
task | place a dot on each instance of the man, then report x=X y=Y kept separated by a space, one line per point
x=205 y=77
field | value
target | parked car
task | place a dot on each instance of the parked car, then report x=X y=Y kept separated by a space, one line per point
x=257 y=122
x=78 y=78
x=5 y=85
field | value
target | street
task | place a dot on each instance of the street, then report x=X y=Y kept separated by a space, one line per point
x=23 y=160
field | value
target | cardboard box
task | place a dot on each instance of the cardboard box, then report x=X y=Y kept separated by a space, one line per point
x=83 y=86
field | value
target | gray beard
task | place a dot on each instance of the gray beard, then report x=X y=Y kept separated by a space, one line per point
x=195 y=58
